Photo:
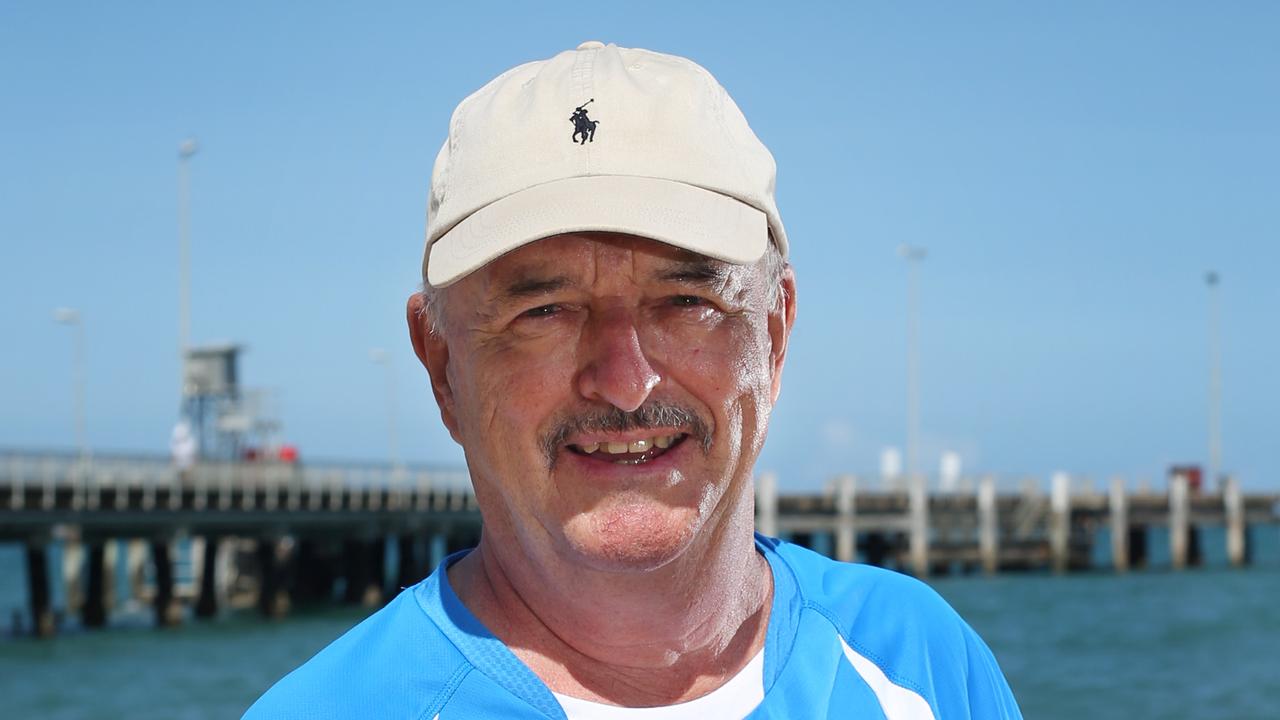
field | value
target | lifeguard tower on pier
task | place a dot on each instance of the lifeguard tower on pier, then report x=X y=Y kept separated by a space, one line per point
x=224 y=418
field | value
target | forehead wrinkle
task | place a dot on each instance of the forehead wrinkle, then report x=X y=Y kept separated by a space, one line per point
x=523 y=287
x=526 y=280
x=698 y=271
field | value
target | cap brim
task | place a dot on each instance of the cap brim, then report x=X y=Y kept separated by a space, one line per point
x=685 y=216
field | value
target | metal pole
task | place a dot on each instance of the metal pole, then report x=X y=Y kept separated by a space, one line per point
x=72 y=318
x=186 y=150
x=383 y=358
x=82 y=440
x=913 y=255
x=918 y=497
x=1215 y=381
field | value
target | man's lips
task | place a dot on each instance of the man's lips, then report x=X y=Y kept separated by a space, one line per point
x=622 y=451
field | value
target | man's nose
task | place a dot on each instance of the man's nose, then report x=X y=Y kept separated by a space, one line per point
x=616 y=369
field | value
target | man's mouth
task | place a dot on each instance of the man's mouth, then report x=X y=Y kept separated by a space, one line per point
x=635 y=452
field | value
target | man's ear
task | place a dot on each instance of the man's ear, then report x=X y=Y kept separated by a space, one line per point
x=781 y=319
x=433 y=353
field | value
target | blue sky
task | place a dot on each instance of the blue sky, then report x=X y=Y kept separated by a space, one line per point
x=1072 y=168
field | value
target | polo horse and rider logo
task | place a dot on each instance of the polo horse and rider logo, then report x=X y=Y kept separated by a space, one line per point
x=583 y=125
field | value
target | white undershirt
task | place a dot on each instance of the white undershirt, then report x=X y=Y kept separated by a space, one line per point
x=735 y=699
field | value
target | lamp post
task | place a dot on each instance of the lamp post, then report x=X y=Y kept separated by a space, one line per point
x=918 y=499
x=381 y=357
x=186 y=149
x=1211 y=279
x=914 y=255
x=71 y=318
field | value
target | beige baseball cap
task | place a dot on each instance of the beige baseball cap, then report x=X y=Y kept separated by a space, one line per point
x=599 y=138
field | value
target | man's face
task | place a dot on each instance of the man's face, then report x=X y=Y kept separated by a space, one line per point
x=611 y=394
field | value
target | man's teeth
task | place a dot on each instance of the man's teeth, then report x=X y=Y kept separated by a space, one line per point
x=618 y=448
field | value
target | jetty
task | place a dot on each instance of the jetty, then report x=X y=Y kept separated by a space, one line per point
x=277 y=534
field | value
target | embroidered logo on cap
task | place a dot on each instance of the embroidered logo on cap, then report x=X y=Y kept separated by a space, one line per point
x=583 y=125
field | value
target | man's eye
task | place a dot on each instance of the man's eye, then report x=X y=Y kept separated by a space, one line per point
x=541 y=311
x=687 y=301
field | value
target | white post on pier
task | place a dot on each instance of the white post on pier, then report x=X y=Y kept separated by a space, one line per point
x=988 y=538
x=1234 y=503
x=767 y=504
x=918 y=508
x=1059 y=521
x=1178 y=520
x=1119 y=507
x=846 y=508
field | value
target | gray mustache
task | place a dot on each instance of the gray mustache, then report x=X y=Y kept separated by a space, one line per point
x=650 y=416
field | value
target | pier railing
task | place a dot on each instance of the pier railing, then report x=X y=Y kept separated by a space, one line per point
x=39 y=485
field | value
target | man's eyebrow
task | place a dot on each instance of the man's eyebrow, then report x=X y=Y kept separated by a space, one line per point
x=526 y=287
x=696 y=272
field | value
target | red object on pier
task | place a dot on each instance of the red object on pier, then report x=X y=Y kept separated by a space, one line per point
x=288 y=453
x=1192 y=473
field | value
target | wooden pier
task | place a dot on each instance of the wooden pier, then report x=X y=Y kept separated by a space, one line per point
x=278 y=534
x=1014 y=530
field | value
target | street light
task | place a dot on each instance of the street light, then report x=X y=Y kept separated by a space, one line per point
x=917 y=502
x=186 y=149
x=1211 y=279
x=71 y=318
x=914 y=255
x=381 y=357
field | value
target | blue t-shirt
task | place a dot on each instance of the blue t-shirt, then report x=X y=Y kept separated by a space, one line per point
x=844 y=641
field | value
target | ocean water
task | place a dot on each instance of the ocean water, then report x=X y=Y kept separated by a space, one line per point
x=1204 y=643
x=1200 y=644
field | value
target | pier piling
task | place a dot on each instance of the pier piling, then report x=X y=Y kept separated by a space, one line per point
x=42 y=624
x=846 y=508
x=375 y=592
x=207 y=602
x=273 y=593
x=1060 y=521
x=1234 y=506
x=1178 y=520
x=988 y=537
x=918 y=513
x=408 y=566
x=95 y=603
x=167 y=611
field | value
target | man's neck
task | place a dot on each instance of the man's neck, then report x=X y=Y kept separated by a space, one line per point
x=634 y=639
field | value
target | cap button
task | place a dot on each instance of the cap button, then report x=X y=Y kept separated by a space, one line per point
x=591 y=45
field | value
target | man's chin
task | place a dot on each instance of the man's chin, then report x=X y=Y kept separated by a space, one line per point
x=632 y=539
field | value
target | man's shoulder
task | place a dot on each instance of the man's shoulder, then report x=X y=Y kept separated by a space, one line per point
x=846 y=592
x=899 y=635
x=396 y=663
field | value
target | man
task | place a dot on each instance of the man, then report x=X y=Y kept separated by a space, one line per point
x=605 y=326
